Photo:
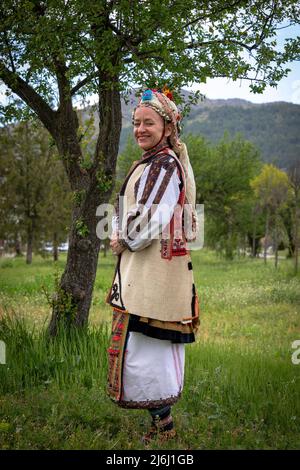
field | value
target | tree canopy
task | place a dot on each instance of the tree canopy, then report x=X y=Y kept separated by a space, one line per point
x=77 y=45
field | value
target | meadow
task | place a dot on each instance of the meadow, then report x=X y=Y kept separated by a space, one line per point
x=241 y=386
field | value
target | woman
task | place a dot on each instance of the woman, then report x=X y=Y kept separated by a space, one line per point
x=154 y=300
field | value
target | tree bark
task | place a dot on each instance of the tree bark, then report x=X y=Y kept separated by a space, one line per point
x=291 y=245
x=29 y=244
x=229 y=241
x=289 y=227
x=276 y=241
x=105 y=247
x=254 y=237
x=253 y=243
x=18 y=247
x=296 y=240
x=254 y=240
x=266 y=235
x=55 y=247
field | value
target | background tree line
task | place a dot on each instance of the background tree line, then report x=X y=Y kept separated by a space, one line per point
x=35 y=201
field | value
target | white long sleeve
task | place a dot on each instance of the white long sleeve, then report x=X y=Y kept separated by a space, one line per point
x=157 y=194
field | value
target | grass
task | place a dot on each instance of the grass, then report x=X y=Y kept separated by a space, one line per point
x=241 y=387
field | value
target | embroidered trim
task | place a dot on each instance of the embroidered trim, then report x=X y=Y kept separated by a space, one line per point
x=171 y=245
x=124 y=244
x=149 y=403
x=119 y=334
x=154 y=150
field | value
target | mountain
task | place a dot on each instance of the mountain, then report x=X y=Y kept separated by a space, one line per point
x=273 y=127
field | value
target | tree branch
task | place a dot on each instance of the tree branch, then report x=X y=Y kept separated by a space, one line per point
x=83 y=82
x=267 y=19
x=29 y=96
x=213 y=12
x=63 y=83
x=127 y=41
x=285 y=27
x=152 y=53
x=251 y=79
x=9 y=52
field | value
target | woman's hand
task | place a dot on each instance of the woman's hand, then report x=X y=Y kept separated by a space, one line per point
x=116 y=246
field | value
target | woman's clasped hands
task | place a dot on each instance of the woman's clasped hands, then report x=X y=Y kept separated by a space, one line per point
x=116 y=245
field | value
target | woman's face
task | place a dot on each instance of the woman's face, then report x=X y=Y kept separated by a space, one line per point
x=149 y=127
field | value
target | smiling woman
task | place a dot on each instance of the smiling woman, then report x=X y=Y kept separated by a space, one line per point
x=154 y=300
x=149 y=128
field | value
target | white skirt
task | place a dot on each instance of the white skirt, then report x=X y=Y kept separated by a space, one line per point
x=153 y=372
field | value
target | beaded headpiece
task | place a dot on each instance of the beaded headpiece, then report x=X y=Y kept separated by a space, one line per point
x=162 y=102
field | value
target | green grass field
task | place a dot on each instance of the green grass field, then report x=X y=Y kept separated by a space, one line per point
x=241 y=387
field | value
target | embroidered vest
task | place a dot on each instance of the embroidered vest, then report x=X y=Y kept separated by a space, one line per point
x=149 y=284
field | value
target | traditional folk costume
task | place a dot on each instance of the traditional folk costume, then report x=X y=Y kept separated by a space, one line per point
x=154 y=300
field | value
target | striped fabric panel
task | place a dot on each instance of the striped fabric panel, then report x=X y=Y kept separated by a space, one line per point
x=161 y=169
x=159 y=182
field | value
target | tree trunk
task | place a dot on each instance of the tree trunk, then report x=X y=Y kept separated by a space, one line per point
x=29 y=244
x=18 y=247
x=266 y=235
x=229 y=241
x=289 y=226
x=291 y=248
x=55 y=247
x=296 y=240
x=254 y=236
x=276 y=242
x=253 y=244
x=73 y=297
x=106 y=246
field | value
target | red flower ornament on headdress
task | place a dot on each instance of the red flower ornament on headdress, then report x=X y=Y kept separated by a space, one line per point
x=166 y=91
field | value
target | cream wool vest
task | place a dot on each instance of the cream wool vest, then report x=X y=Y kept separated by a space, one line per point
x=146 y=284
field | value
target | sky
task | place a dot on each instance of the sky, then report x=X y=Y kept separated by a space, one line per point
x=288 y=89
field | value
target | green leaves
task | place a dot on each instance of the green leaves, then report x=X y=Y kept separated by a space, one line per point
x=177 y=42
x=104 y=181
x=222 y=174
x=81 y=228
x=78 y=197
x=271 y=187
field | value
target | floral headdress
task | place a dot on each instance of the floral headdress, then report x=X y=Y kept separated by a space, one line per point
x=161 y=100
